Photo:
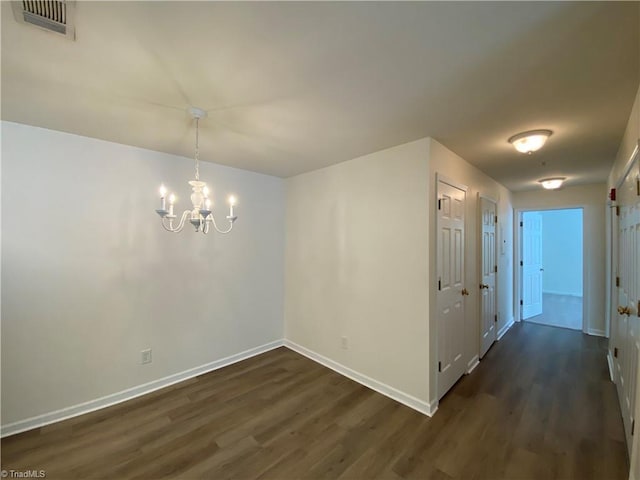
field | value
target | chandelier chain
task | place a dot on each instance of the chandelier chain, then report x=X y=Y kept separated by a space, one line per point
x=197 y=155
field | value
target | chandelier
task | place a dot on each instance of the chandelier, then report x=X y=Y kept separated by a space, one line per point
x=200 y=216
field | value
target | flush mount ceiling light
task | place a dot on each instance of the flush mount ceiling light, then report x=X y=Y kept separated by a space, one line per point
x=552 y=183
x=528 y=142
x=200 y=216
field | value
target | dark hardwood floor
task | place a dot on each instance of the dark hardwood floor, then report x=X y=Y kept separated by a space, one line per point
x=539 y=406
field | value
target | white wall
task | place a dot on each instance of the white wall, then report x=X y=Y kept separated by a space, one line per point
x=356 y=266
x=89 y=277
x=592 y=199
x=359 y=238
x=629 y=142
x=443 y=161
x=562 y=251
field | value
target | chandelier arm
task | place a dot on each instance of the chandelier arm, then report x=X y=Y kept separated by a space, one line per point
x=168 y=228
x=180 y=226
x=183 y=219
x=213 y=220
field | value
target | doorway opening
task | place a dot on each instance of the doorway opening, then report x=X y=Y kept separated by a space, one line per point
x=552 y=280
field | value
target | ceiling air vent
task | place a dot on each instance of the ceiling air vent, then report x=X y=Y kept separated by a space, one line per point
x=53 y=15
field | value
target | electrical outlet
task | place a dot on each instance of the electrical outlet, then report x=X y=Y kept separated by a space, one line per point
x=344 y=343
x=145 y=356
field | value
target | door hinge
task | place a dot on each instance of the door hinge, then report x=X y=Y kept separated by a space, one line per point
x=633 y=426
x=638 y=187
x=618 y=210
x=495 y=268
x=520 y=302
x=521 y=264
x=439 y=366
x=617 y=281
x=439 y=204
x=615 y=352
x=439 y=284
x=521 y=224
x=495 y=318
x=496 y=218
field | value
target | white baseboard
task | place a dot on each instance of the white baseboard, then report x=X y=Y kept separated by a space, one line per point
x=124 y=395
x=475 y=361
x=564 y=294
x=596 y=332
x=505 y=328
x=610 y=363
x=391 y=392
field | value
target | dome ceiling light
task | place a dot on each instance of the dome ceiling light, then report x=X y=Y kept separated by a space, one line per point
x=552 y=183
x=531 y=141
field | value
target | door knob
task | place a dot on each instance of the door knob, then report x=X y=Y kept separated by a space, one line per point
x=624 y=311
x=465 y=291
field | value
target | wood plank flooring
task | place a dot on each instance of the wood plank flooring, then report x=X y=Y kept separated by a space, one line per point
x=538 y=406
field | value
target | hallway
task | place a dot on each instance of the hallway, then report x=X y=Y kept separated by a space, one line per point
x=549 y=407
x=539 y=406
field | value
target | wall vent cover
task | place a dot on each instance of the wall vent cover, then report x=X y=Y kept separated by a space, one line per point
x=52 y=15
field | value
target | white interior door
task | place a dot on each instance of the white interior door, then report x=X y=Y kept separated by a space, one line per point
x=451 y=291
x=628 y=296
x=488 y=312
x=531 y=264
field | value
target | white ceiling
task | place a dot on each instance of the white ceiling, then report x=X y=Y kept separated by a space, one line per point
x=291 y=87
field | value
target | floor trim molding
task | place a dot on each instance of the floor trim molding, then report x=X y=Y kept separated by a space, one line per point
x=409 y=400
x=596 y=333
x=128 y=394
x=564 y=294
x=505 y=328
x=471 y=366
x=610 y=363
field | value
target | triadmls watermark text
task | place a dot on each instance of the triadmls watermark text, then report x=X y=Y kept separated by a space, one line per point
x=23 y=473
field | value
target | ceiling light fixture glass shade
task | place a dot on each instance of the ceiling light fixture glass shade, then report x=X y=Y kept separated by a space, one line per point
x=552 y=183
x=528 y=142
x=200 y=216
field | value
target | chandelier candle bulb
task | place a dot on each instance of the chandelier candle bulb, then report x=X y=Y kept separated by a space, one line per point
x=172 y=200
x=232 y=202
x=163 y=194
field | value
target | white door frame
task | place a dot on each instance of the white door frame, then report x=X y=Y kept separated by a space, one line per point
x=611 y=302
x=517 y=268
